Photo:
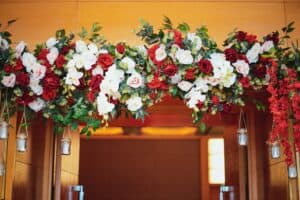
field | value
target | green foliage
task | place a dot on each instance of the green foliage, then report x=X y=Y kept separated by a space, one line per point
x=167 y=23
x=92 y=35
x=147 y=33
x=184 y=27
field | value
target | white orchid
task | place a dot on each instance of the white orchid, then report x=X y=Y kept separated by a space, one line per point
x=51 y=42
x=253 y=53
x=184 y=56
x=37 y=105
x=185 y=85
x=38 y=71
x=267 y=46
x=28 y=60
x=103 y=105
x=35 y=86
x=20 y=48
x=52 y=55
x=73 y=77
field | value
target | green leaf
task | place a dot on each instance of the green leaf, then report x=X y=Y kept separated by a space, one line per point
x=83 y=34
x=84 y=130
x=167 y=24
x=202 y=127
x=184 y=27
x=96 y=27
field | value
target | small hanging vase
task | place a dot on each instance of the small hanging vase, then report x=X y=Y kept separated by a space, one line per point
x=2 y=168
x=3 y=130
x=292 y=171
x=66 y=142
x=22 y=135
x=275 y=150
x=242 y=132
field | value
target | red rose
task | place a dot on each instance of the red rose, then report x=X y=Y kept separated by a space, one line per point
x=22 y=79
x=250 y=38
x=164 y=85
x=200 y=104
x=105 y=61
x=46 y=64
x=151 y=53
x=177 y=38
x=243 y=57
x=170 y=69
x=274 y=37
x=245 y=82
x=260 y=71
x=120 y=48
x=189 y=74
x=60 y=61
x=82 y=84
x=25 y=99
x=43 y=54
x=155 y=83
x=215 y=99
x=49 y=94
x=205 y=66
x=19 y=65
x=8 y=68
x=95 y=82
x=91 y=96
x=241 y=35
x=65 y=49
x=231 y=55
x=50 y=81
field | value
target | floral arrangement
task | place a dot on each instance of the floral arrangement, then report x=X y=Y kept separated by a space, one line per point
x=90 y=81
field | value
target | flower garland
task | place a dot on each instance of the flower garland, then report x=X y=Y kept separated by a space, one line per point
x=89 y=81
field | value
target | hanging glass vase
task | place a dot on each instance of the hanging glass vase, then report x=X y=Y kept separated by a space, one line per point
x=22 y=134
x=292 y=171
x=3 y=130
x=275 y=150
x=2 y=167
x=66 y=142
x=242 y=131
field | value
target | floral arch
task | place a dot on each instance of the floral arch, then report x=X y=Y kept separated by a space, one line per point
x=90 y=81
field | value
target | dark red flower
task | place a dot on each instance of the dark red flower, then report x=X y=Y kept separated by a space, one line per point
x=274 y=37
x=91 y=96
x=243 y=57
x=50 y=81
x=105 y=61
x=200 y=104
x=19 y=65
x=43 y=54
x=22 y=79
x=251 y=38
x=241 y=35
x=164 y=85
x=227 y=107
x=95 y=82
x=245 y=82
x=170 y=69
x=25 y=99
x=49 y=94
x=60 y=61
x=231 y=55
x=260 y=71
x=205 y=66
x=120 y=48
x=189 y=74
x=8 y=68
x=65 y=50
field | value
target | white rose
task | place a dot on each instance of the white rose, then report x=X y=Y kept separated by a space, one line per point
x=253 y=53
x=52 y=55
x=97 y=71
x=267 y=46
x=184 y=56
x=38 y=71
x=35 y=86
x=160 y=53
x=185 y=85
x=241 y=67
x=37 y=105
x=9 y=81
x=20 y=48
x=51 y=42
x=134 y=103
x=93 y=48
x=135 y=80
x=80 y=46
x=3 y=44
x=196 y=41
x=28 y=61
x=175 y=79
x=73 y=77
x=128 y=63
x=103 y=105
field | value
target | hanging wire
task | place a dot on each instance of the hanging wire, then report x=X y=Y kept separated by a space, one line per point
x=23 y=119
x=242 y=119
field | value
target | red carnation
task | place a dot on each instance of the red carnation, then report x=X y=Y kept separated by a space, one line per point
x=189 y=74
x=51 y=81
x=95 y=82
x=170 y=69
x=231 y=55
x=241 y=35
x=205 y=66
x=200 y=104
x=120 y=48
x=105 y=61
x=245 y=82
x=49 y=94
x=22 y=79
x=215 y=99
x=43 y=54
x=60 y=61
x=177 y=38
